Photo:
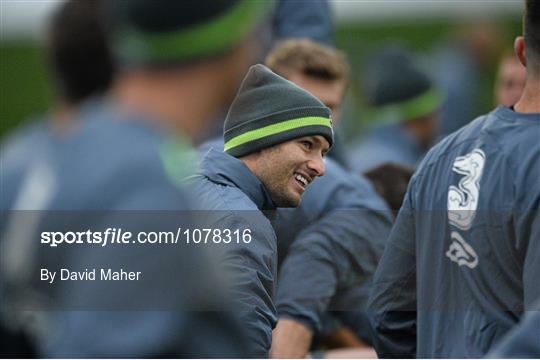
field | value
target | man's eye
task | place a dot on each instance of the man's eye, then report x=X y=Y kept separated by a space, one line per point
x=307 y=144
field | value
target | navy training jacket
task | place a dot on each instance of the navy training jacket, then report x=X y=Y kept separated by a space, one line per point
x=233 y=198
x=462 y=262
x=340 y=229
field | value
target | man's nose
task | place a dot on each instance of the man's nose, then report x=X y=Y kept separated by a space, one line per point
x=317 y=166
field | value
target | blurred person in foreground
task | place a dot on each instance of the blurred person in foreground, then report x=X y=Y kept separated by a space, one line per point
x=126 y=151
x=276 y=135
x=461 y=264
x=81 y=66
x=405 y=107
x=330 y=244
x=511 y=76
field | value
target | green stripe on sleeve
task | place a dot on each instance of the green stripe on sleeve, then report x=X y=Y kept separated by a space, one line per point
x=276 y=129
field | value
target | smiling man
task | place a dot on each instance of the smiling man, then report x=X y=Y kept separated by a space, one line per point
x=266 y=115
x=275 y=137
x=288 y=168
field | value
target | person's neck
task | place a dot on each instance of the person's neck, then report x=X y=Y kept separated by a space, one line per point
x=62 y=118
x=530 y=99
x=250 y=161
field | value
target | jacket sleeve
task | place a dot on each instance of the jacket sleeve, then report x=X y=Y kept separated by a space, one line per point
x=531 y=267
x=526 y=218
x=252 y=270
x=523 y=341
x=344 y=247
x=392 y=305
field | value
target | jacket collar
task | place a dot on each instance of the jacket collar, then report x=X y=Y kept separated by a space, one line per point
x=225 y=169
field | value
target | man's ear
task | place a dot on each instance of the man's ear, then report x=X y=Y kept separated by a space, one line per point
x=519 y=48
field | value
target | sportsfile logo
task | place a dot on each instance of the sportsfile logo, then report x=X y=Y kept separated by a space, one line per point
x=462 y=205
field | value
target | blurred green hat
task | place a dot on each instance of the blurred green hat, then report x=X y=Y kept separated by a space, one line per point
x=396 y=87
x=161 y=32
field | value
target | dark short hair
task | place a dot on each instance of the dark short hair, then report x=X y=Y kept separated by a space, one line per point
x=391 y=181
x=531 y=30
x=78 y=54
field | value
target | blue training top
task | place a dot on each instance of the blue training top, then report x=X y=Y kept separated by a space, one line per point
x=462 y=260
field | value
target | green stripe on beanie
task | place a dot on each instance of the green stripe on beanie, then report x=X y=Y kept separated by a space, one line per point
x=135 y=45
x=419 y=106
x=280 y=127
x=423 y=104
x=278 y=138
x=269 y=110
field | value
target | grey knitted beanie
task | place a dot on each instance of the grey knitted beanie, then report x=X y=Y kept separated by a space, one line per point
x=269 y=110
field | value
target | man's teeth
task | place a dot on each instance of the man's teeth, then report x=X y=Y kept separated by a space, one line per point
x=301 y=179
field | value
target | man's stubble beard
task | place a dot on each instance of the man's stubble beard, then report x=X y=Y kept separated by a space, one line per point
x=277 y=185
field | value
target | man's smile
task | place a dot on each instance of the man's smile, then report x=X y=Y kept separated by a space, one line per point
x=302 y=179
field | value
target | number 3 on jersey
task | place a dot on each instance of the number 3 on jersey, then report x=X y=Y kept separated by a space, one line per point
x=463 y=199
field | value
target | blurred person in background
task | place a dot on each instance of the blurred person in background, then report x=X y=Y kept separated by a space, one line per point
x=458 y=68
x=81 y=66
x=126 y=151
x=79 y=60
x=329 y=246
x=510 y=80
x=405 y=107
x=303 y=19
x=391 y=182
x=461 y=264
x=321 y=69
